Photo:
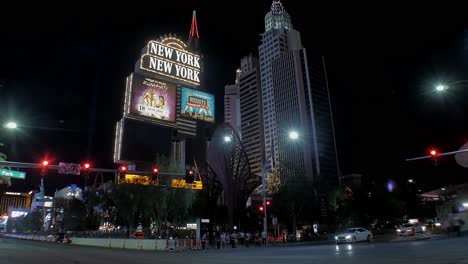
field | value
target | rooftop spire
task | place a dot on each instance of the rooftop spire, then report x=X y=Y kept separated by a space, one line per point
x=277 y=7
x=193 y=35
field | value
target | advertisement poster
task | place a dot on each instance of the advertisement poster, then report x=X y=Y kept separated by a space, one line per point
x=152 y=98
x=198 y=105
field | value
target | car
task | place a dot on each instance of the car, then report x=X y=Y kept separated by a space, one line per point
x=409 y=229
x=354 y=234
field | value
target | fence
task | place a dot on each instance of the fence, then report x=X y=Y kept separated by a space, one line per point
x=122 y=243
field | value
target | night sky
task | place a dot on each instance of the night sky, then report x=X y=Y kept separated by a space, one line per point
x=67 y=70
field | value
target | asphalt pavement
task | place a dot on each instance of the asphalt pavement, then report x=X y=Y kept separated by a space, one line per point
x=446 y=251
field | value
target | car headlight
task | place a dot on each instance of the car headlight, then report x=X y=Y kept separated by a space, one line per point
x=398 y=230
x=336 y=238
x=348 y=237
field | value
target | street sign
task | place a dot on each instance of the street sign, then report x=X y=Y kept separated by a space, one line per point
x=69 y=168
x=13 y=174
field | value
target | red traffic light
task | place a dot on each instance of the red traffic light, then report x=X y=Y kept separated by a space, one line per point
x=261 y=208
x=87 y=166
x=433 y=152
x=123 y=168
x=155 y=170
x=268 y=203
x=190 y=172
x=45 y=163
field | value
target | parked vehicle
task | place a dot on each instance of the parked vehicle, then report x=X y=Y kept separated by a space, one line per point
x=409 y=229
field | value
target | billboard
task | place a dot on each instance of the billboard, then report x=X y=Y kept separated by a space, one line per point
x=171 y=61
x=198 y=105
x=152 y=98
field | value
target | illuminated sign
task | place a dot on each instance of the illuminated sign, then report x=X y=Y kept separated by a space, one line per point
x=192 y=226
x=15 y=214
x=13 y=193
x=171 y=61
x=13 y=174
x=136 y=179
x=196 y=185
x=152 y=99
x=197 y=105
x=204 y=220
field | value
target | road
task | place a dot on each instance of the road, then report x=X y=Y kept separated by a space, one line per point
x=446 y=251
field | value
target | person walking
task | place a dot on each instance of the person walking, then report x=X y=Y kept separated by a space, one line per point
x=247 y=239
x=223 y=239
x=264 y=238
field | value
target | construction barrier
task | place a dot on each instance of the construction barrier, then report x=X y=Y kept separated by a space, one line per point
x=122 y=243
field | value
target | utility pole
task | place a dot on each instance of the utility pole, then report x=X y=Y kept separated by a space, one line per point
x=264 y=201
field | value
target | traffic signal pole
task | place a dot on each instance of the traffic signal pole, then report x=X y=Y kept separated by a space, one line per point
x=438 y=155
x=264 y=202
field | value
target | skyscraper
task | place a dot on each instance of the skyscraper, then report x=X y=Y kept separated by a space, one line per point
x=251 y=112
x=232 y=114
x=295 y=98
x=279 y=37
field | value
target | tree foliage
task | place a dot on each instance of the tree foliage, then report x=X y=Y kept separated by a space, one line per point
x=30 y=223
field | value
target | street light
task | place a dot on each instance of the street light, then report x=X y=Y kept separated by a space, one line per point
x=11 y=125
x=442 y=87
x=410 y=180
x=293 y=135
x=227 y=139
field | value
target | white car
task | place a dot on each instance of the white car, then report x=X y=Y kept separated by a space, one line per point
x=354 y=234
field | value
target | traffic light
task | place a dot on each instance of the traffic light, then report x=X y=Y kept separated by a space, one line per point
x=123 y=168
x=154 y=174
x=261 y=209
x=268 y=203
x=44 y=167
x=86 y=167
x=434 y=155
x=189 y=176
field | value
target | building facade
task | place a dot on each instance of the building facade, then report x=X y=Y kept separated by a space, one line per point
x=232 y=114
x=14 y=200
x=295 y=98
x=251 y=112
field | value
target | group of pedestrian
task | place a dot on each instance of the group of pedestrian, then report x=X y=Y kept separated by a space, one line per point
x=222 y=239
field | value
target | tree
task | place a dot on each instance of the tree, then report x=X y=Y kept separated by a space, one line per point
x=295 y=202
x=73 y=217
x=274 y=182
x=156 y=207
x=30 y=223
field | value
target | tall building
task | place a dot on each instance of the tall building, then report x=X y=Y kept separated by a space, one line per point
x=251 y=112
x=14 y=200
x=232 y=114
x=295 y=98
x=279 y=37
